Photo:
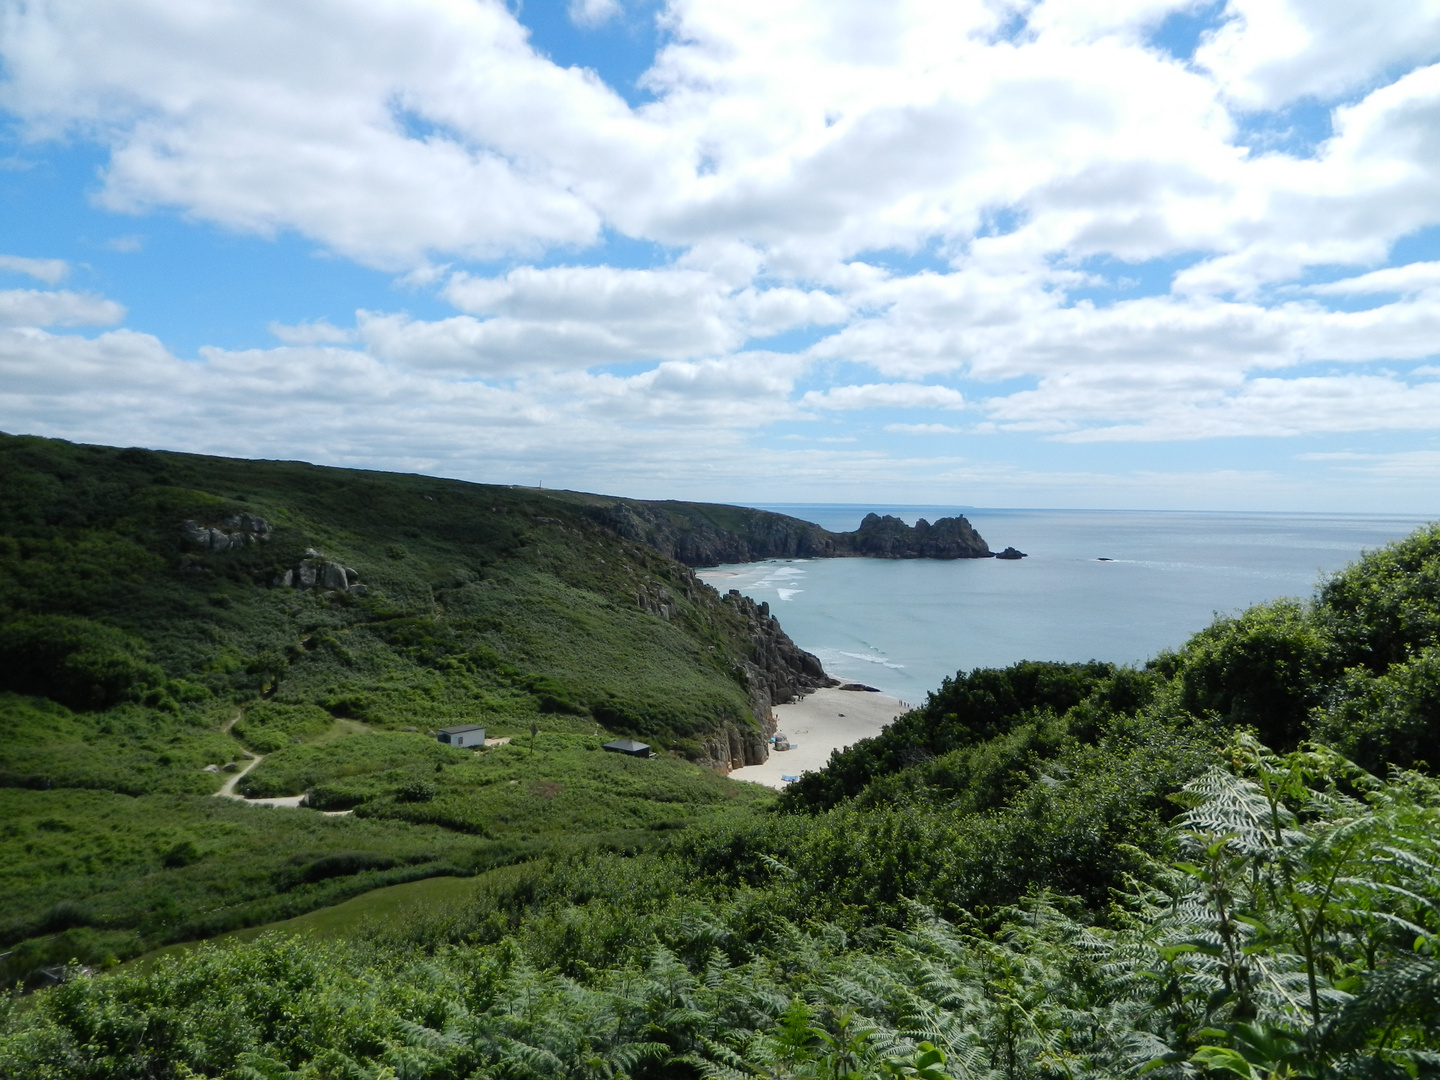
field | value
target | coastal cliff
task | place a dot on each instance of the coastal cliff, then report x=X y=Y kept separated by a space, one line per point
x=702 y=534
x=772 y=671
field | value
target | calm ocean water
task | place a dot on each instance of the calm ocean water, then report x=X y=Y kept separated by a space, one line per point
x=905 y=625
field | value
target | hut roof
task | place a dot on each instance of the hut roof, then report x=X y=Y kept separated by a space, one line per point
x=626 y=746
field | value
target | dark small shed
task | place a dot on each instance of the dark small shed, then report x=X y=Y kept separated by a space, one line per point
x=463 y=735
x=630 y=747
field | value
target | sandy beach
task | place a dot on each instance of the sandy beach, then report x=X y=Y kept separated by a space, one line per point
x=817 y=724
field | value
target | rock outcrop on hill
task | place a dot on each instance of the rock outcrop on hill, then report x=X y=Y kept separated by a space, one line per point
x=317 y=572
x=774 y=671
x=243 y=529
x=699 y=534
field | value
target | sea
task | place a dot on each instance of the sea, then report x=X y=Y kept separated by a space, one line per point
x=1114 y=585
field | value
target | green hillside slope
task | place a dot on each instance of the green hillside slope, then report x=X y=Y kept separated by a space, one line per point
x=462 y=603
x=165 y=619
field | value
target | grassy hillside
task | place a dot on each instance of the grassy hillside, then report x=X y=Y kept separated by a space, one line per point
x=143 y=663
x=478 y=601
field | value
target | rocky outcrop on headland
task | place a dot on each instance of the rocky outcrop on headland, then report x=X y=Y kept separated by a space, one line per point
x=698 y=534
x=685 y=533
x=777 y=667
x=890 y=538
x=774 y=671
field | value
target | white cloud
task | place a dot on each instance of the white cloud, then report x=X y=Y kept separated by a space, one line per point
x=600 y=314
x=948 y=201
x=1408 y=279
x=1271 y=52
x=345 y=406
x=1409 y=466
x=35 y=307
x=50 y=271
x=591 y=13
x=318 y=332
x=885 y=396
x=1266 y=407
x=384 y=131
x=585 y=316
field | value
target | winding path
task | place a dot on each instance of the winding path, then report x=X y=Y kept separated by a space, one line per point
x=227 y=789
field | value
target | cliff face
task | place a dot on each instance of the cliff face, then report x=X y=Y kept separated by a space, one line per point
x=700 y=535
x=773 y=670
x=688 y=535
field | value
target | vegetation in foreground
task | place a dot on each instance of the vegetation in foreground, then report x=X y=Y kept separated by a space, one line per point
x=1295 y=936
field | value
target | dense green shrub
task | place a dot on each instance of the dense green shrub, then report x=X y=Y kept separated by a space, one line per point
x=267 y=726
x=1386 y=607
x=1267 y=951
x=967 y=710
x=1389 y=719
x=75 y=661
x=1265 y=669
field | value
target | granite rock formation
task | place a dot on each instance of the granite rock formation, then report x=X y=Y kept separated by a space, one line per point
x=317 y=572
x=890 y=538
x=775 y=670
x=244 y=529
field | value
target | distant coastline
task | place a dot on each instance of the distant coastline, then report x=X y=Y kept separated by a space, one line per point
x=713 y=534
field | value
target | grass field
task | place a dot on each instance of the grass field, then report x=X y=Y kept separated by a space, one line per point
x=379 y=910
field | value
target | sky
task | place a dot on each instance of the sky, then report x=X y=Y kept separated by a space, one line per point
x=1047 y=253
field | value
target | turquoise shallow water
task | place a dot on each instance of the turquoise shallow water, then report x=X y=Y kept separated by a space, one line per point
x=904 y=625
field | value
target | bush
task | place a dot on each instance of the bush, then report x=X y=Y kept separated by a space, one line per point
x=1267 y=669
x=415 y=791
x=1386 y=607
x=268 y=726
x=968 y=710
x=1391 y=719
x=340 y=864
x=182 y=854
x=74 y=661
